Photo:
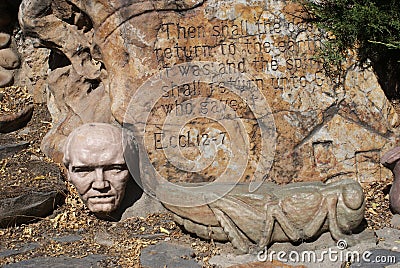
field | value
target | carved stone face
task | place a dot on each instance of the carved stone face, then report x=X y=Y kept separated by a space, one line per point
x=94 y=156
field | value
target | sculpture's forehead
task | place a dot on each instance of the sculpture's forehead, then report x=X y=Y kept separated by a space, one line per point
x=96 y=149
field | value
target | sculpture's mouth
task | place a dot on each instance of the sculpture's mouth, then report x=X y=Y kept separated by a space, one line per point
x=102 y=198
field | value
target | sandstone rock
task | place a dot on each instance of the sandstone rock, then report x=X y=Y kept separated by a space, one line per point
x=4 y=40
x=33 y=69
x=316 y=129
x=6 y=77
x=12 y=122
x=9 y=59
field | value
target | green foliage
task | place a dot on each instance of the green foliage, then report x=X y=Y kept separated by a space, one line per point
x=371 y=27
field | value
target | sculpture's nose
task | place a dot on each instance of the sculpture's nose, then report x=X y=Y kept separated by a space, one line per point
x=99 y=180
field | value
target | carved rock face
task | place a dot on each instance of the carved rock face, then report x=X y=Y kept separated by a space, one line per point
x=303 y=210
x=104 y=51
x=96 y=166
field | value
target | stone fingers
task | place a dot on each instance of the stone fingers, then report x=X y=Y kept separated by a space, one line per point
x=237 y=238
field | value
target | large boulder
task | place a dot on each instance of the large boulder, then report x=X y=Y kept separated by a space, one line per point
x=128 y=62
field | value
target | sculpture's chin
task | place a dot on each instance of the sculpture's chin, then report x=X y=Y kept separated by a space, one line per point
x=102 y=207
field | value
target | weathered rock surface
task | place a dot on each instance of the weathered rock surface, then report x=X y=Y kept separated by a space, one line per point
x=25 y=248
x=15 y=121
x=7 y=150
x=106 y=51
x=34 y=68
x=29 y=206
x=166 y=254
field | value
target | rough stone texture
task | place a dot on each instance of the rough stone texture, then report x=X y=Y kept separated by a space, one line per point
x=34 y=68
x=15 y=121
x=169 y=255
x=29 y=206
x=107 y=49
x=7 y=150
x=25 y=248
x=144 y=206
x=274 y=213
x=389 y=238
x=68 y=238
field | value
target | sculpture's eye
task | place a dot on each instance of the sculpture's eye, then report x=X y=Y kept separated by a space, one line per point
x=353 y=196
x=115 y=169
x=82 y=171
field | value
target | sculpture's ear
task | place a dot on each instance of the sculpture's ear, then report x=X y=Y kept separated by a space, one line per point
x=390 y=158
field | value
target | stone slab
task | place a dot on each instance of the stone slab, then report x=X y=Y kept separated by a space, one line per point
x=25 y=248
x=15 y=121
x=7 y=150
x=59 y=262
x=67 y=238
x=168 y=255
x=28 y=206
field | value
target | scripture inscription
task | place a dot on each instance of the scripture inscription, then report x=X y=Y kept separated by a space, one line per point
x=238 y=89
x=256 y=50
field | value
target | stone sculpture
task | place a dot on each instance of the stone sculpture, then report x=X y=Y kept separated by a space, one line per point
x=103 y=51
x=94 y=157
x=273 y=213
x=391 y=161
